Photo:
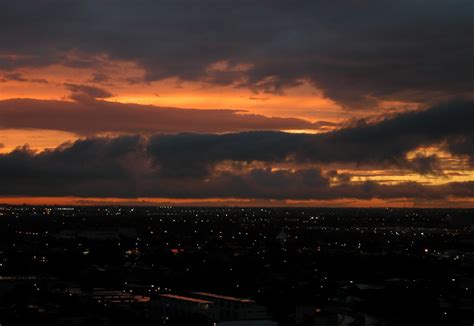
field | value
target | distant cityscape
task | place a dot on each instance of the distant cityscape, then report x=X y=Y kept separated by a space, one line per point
x=235 y=266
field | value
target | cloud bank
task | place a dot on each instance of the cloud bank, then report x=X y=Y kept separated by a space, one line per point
x=383 y=143
x=356 y=52
x=185 y=165
x=89 y=115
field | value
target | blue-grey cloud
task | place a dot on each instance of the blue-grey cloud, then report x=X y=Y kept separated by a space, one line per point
x=89 y=116
x=354 y=51
x=383 y=143
x=121 y=167
x=185 y=165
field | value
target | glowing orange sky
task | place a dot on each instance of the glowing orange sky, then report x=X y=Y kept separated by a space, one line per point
x=303 y=102
x=300 y=102
x=72 y=201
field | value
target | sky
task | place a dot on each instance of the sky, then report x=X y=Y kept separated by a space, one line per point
x=235 y=102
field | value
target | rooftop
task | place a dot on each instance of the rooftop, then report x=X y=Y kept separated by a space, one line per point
x=179 y=297
x=223 y=297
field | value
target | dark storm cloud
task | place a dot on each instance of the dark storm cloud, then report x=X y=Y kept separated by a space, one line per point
x=122 y=167
x=426 y=164
x=384 y=143
x=86 y=92
x=340 y=177
x=15 y=76
x=354 y=51
x=99 y=78
x=380 y=144
x=463 y=145
x=185 y=165
x=88 y=116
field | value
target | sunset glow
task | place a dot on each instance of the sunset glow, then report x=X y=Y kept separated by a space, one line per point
x=172 y=111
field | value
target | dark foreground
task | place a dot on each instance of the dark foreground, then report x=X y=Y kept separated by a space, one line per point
x=235 y=266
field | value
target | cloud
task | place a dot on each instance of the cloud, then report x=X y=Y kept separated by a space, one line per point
x=355 y=52
x=86 y=93
x=2 y=145
x=99 y=78
x=339 y=177
x=384 y=143
x=462 y=145
x=15 y=76
x=122 y=167
x=189 y=165
x=426 y=164
x=88 y=116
